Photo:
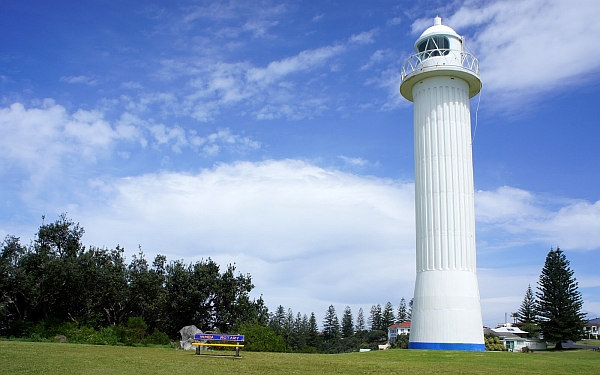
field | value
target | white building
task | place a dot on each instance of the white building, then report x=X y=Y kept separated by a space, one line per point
x=396 y=330
x=515 y=339
x=592 y=329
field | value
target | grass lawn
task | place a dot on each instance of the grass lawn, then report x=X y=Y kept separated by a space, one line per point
x=52 y=358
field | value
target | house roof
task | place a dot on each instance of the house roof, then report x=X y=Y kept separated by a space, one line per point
x=593 y=322
x=401 y=325
x=513 y=330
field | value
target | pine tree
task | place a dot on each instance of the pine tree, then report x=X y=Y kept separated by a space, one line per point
x=360 y=320
x=277 y=321
x=331 y=324
x=313 y=331
x=559 y=301
x=375 y=317
x=527 y=314
x=347 y=324
x=402 y=315
x=387 y=317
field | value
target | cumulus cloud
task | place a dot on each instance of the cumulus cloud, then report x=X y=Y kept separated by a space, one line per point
x=294 y=226
x=40 y=139
x=523 y=217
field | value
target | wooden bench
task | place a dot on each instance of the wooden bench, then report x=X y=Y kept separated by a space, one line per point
x=225 y=341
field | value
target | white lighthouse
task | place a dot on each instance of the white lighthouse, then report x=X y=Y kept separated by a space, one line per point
x=440 y=79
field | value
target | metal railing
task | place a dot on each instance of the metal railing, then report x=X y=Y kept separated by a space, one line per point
x=440 y=57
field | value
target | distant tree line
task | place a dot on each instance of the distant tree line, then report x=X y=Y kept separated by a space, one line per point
x=299 y=332
x=56 y=280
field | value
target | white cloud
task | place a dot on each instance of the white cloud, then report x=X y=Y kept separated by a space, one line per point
x=523 y=217
x=78 y=79
x=389 y=79
x=305 y=60
x=293 y=226
x=259 y=28
x=375 y=58
x=41 y=139
x=366 y=37
x=359 y=162
x=527 y=46
x=37 y=139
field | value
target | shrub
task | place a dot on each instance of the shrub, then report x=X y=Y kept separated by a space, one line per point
x=261 y=339
x=493 y=343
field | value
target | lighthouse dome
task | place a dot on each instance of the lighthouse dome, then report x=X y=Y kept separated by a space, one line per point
x=438 y=36
x=440 y=52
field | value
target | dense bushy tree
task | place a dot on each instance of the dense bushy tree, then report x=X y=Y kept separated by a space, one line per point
x=15 y=284
x=147 y=295
x=57 y=280
x=559 y=301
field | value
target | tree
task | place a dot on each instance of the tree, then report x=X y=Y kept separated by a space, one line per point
x=347 y=324
x=277 y=320
x=402 y=315
x=331 y=325
x=146 y=292
x=559 y=301
x=527 y=314
x=375 y=318
x=360 y=320
x=387 y=317
x=313 y=331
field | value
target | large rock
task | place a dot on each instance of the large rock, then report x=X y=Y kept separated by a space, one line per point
x=60 y=338
x=187 y=337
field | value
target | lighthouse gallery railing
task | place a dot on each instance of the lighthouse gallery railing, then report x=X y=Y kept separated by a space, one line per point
x=439 y=57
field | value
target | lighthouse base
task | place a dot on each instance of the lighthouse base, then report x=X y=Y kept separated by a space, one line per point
x=447 y=346
x=446 y=312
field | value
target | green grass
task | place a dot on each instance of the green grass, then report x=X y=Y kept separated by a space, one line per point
x=17 y=357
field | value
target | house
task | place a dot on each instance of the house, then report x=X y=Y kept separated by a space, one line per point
x=398 y=329
x=592 y=328
x=515 y=339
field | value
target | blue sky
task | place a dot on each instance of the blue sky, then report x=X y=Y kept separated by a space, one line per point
x=272 y=134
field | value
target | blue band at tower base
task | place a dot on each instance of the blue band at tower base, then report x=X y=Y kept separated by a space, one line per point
x=447 y=346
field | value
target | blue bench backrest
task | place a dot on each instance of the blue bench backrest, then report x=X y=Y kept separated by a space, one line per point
x=218 y=337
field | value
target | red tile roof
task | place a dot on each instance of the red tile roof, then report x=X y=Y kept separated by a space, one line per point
x=401 y=325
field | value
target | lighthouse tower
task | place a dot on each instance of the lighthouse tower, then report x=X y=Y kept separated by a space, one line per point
x=440 y=79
